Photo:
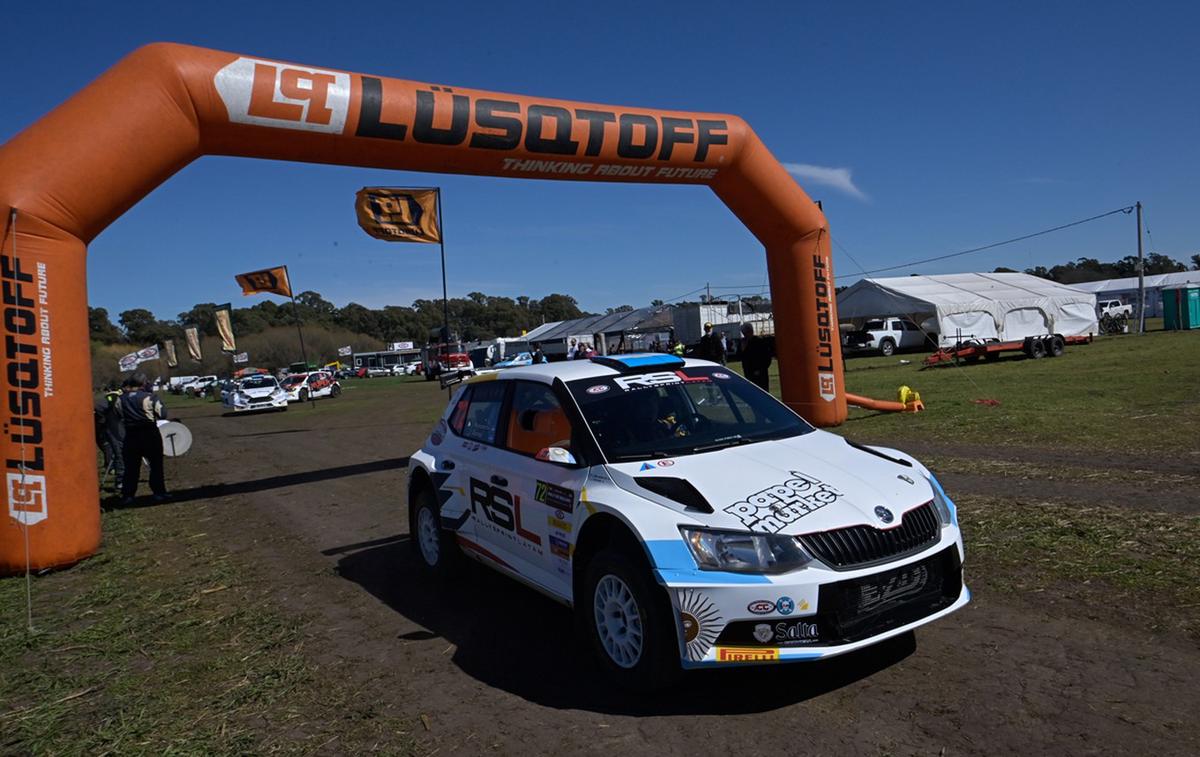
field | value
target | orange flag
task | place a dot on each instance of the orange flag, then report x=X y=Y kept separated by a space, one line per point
x=273 y=280
x=399 y=215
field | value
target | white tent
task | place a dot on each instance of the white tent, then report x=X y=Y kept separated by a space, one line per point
x=1004 y=306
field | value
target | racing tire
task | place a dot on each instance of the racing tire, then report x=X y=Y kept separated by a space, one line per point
x=302 y=395
x=335 y=390
x=1037 y=349
x=1055 y=346
x=628 y=622
x=887 y=348
x=436 y=548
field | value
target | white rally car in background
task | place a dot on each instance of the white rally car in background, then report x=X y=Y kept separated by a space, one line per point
x=688 y=517
x=300 y=387
x=261 y=392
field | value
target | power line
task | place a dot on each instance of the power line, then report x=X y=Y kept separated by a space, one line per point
x=1126 y=210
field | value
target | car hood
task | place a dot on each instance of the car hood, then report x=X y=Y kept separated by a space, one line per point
x=264 y=391
x=808 y=483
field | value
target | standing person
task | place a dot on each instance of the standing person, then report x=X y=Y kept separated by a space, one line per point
x=756 y=358
x=141 y=410
x=710 y=346
x=572 y=350
x=110 y=435
x=538 y=357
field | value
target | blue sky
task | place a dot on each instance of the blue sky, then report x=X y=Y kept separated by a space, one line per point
x=923 y=129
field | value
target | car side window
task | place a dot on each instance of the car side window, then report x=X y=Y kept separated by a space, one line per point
x=536 y=420
x=482 y=417
x=897 y=326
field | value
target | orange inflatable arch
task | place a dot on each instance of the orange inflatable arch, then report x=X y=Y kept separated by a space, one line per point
x=71 y=174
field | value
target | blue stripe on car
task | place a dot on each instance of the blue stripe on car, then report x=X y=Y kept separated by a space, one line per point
x=673 y=563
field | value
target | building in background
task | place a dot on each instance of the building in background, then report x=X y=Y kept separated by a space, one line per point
x=1126 y=290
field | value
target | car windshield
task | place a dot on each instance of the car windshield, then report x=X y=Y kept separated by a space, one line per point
x=680 y=412
x=292 y=380
x=258 y=382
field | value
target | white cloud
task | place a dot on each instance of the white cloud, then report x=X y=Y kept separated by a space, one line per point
x=840 y=179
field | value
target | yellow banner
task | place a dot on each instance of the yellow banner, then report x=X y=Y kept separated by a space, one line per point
x=225 y=329
x=399 y=215
x=169 y=348
x=273 y=280
x=193 y=342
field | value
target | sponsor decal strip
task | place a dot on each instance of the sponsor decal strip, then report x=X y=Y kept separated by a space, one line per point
x=773 y=508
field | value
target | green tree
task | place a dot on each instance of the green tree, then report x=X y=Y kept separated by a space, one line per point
x=100 y=328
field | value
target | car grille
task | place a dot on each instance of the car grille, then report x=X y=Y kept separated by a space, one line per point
x=860 y=546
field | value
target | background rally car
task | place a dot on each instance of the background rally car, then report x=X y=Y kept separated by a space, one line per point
x=301 y=386
x=685 y=514
x=256 y=393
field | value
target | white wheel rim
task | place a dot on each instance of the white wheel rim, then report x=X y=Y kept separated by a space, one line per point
x=428 y=536
x=618 y=621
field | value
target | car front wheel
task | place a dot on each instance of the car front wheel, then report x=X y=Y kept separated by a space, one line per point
x=628 y=622
x=434 y=545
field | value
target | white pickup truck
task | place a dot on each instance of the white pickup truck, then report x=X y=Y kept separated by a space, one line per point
x=1114 y=317
x=884 y=335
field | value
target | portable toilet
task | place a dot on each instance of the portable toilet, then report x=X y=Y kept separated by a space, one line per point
x=1181 y=307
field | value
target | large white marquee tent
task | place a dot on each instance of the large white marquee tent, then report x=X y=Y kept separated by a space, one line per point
x=1004 y=306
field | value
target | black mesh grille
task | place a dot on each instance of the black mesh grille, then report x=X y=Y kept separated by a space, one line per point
x=859 y=546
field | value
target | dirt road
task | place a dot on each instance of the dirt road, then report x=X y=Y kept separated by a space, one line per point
x=310 y=503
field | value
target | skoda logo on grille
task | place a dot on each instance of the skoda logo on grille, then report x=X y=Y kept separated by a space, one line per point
x=884 y=514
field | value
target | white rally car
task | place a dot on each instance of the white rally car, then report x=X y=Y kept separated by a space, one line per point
x=690 y=518
x=260 y=392
x=300 y=387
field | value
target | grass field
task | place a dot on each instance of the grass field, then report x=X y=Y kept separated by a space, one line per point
x=1127 y=393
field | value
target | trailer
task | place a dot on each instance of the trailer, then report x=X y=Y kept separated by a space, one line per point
x=1035 y=347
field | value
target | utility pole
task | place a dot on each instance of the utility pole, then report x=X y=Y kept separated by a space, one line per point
x=1141 y=275
x=708 y=292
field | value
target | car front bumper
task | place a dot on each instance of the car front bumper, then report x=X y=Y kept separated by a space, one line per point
x=812 y=613
x=267 y=403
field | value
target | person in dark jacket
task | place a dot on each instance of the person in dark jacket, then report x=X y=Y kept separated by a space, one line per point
x=710 y=346
x=756 y=358
x=141 y=409
x=110 y=434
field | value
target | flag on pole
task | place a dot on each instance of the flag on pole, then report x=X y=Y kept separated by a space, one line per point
x=242 y=357
x=169 y=348
x=225 y=329
x=399 y=215
x=134 y=359
x=193 y=343
x=344 y=351
x=272 y=280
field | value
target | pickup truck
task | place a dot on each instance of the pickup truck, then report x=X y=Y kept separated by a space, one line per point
x=885 y=335
x=1114 y=317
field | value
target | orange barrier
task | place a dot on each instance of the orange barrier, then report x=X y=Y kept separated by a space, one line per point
x=71 y=174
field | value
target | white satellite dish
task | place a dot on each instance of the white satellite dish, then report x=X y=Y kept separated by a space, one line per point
x=177 y=439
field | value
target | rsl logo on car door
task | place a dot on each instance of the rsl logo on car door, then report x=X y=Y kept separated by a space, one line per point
x=498 y=510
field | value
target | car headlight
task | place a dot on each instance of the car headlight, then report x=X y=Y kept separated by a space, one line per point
x=278 y=394
x=946 y=511
x=240 y=398
x=744 y=552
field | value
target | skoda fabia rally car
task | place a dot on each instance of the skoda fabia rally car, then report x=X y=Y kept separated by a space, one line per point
x=256 y=393
x=688 y=517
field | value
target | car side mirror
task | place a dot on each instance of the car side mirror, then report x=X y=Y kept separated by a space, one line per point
x=556 y=455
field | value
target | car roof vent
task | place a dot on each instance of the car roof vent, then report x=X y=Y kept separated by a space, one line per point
x=678 y=489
